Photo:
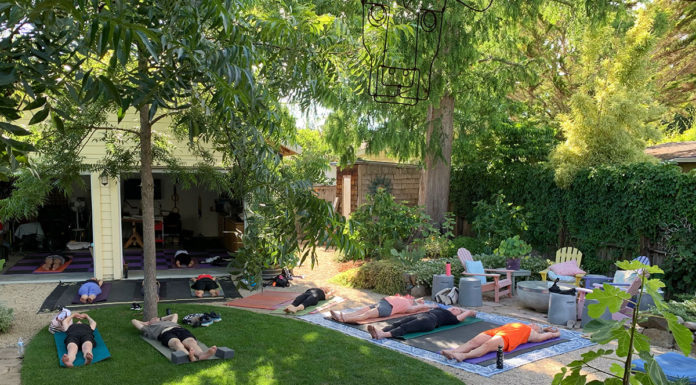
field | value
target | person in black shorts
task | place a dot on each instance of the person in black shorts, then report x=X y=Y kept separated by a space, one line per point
x=182 y=258
x=80 y=336
x=170 y=334
x=309 y=298
x=203 y=283
x=422 y=322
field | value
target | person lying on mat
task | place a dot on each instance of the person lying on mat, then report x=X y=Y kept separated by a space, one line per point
x=386 y=307
x=182 y=258
x=170 y=334
x=90 y=290
x=79 y=336
x=422 y=322
x=509 y=336
x=53 y=262
x=309 y=298
x=203 y=283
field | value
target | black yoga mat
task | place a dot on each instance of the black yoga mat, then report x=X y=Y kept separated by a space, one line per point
x=128 y=291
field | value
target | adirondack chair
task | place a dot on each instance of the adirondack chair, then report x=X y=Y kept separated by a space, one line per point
x=498 y=286
x=563 y=255
x=625 y=311
x=624 y=278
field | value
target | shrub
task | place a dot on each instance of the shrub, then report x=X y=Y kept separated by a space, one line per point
x=497 y=219
x=382 y=224
x=345 y=278
x=424 y=270
x=6 y=318
x=686 y=309
x=474 y=245
x=535 y=265
x=384 y=276
x=513 y=247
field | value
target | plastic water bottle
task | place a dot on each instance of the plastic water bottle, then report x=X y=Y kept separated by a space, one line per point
x=499 y=358
x=20 y=347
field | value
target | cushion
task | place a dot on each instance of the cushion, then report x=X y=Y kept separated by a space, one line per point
x=624 y=276
x=476 y=267
x=674 y=365
x=566 y=268
x=563 y=278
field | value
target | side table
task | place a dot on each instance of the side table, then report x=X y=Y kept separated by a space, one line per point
x=591 y=279
x=515 y=274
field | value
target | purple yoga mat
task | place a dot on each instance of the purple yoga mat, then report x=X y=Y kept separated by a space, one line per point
x=106 y=288
x=492 y=355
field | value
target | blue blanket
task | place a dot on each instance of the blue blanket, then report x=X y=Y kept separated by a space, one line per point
x=100 y=351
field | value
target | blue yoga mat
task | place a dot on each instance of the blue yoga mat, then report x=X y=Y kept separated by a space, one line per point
x=675 y=366
x=100 y=351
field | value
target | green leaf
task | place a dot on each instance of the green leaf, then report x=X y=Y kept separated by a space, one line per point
x=8 y=77
x=610 y=297
x=39 y=116
x=681 y=333
x=148 y=45
x=38 y=102
x=13 y=129
x=111 y=89
x=17 y=145
x=58 y=123
x=653 y=370
x=617 y=369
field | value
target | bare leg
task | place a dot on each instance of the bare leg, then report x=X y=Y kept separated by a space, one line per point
x=489 y=346
x=470 y=345
x=69 y=357
x=87 y=352
x=360 y=316
x=175 y=344
x=198 y=293
x=378 y=334
x=193 y=347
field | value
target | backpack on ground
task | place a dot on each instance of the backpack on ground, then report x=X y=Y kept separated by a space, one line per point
x=281 y=281
x=447 y=296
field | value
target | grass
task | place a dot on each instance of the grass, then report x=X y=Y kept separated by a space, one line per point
x=268 y=350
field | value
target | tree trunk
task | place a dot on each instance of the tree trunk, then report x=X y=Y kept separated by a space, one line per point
x=148 y=208
x=435 y=178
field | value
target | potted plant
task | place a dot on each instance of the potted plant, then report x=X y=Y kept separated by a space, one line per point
x=513 y=249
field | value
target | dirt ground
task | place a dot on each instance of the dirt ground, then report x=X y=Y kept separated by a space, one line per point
x=26 y=299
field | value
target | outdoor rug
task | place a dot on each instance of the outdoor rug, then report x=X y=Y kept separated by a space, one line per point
x=99 y=352
x=81 y=263
x=269 y=300
x=129 y=291
x=572 y=341
x=435 y=343
x=321 y=306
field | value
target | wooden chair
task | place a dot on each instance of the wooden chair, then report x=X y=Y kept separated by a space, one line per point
x=563 y=255
x=498 y=286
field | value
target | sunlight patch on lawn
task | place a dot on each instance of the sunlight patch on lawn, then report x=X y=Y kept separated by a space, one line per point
x=310 y=337
x=221 y=374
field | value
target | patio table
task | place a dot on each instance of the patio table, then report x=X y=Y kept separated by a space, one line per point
x=515 y=274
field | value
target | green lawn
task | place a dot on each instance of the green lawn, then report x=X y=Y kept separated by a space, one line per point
x=268 y=350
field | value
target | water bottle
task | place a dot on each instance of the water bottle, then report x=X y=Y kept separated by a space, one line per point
x=20 y=347
x=499 y=358
x=448 y=269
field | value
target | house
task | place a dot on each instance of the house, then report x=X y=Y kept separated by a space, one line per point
x=106 y=213
x=682 y=153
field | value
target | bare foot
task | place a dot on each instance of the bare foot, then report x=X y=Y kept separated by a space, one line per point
x=192 y=356
x=458 y=356
x=214 y=293
x=334 y=315
x=190 y=264
x=288 y=309
x=178 y=264
x=373 y=332
x=88 y=358
x=66 y=361
x=208 y=353
x=448 y=353
x=199 y=294
x=83 y=300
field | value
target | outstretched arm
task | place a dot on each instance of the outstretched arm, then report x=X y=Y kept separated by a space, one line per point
x=92 y=323
x=547 y=334
x=68 y=321
x=418 y=308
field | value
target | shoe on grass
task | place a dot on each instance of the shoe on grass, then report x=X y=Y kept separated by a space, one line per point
x=214 y=316
x=206 y=321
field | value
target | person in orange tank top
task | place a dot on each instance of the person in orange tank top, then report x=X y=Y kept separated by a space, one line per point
x=509 y=336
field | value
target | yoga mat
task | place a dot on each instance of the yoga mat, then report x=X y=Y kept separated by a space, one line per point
x=168 y=352
x=99 y=351
x=105 y=288
x=52 y=301
x=60 y=268
x=490 y=358
x=320 y=306
x=269 y=300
